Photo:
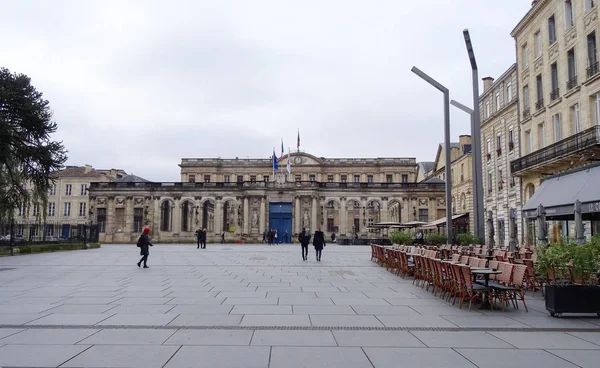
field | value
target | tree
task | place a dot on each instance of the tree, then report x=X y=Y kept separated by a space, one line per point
x=28 y=155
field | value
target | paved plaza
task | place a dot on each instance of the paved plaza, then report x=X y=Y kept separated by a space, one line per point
x=260 y=306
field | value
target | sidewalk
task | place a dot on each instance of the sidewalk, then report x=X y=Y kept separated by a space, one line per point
x=260 y=306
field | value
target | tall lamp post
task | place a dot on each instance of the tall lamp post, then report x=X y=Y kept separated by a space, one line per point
x=448 y=180
x=478 y=211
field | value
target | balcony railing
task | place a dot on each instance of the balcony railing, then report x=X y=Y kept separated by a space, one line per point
x=539 y=104
x=592 y=69
x=572 y=83
x=572 y=145
x=555 y=94
x=526 y=113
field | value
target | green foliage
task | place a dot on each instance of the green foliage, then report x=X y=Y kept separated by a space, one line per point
x=28 y=156
x=45 y=248
x=468 y=238
x=435 y=239
x=566 y=262
x=401 y=237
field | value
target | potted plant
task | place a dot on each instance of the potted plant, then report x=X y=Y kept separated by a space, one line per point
x=401 y=237
x=435 y=239
x=488 y=155
x=511 y=145
x=499 y=151
x=572 y=276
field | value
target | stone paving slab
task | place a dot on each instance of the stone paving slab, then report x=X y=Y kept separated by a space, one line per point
x=260 y=306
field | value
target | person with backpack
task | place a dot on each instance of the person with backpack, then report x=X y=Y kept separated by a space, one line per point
x=203 y=239
x=144 y=245
x=304 y=239
x=319 y=242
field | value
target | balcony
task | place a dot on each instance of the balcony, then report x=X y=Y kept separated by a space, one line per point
x=540 y=104
x=555 y=94
x=526 y=113
x=592 y=69
x=572 y=83
x=558 y=154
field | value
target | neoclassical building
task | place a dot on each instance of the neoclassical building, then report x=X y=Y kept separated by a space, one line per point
x=242 y=198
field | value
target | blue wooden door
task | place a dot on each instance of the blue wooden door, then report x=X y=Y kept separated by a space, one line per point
x=280 y=218
x=66 y=231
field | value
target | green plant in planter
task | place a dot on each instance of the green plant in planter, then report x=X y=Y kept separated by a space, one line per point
x=468 y=238
x=401 y=237
x=567 y=263
x=435 y=239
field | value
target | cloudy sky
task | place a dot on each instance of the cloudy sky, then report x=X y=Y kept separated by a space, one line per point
x=138 y=85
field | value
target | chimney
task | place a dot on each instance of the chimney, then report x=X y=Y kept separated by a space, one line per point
x=88 y=168
x=487 y=83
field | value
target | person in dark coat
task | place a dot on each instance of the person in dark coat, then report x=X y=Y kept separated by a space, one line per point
x=319 y=242
x=223 y=238
x=304 y=239
x=199 y=237
x=203 y=239
x=144 y=244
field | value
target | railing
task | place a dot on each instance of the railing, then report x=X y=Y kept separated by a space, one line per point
x=261 y=184
x=572 y=83
x=539 y=104
x=571 y=145
x=592 y=69
x=555 y=94
x=526 y=113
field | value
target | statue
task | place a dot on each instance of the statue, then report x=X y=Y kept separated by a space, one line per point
x=254 y=220
x=306 y=220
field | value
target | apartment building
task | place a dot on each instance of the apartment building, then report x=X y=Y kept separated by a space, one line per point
x=559 y=101
x=499 y=146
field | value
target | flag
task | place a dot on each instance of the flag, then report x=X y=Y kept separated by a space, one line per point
x=289 y=162
x=298 y=139
x=275 y=166
x=282 y=152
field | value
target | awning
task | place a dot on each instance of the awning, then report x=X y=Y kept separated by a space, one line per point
x=558 y=194
x=442 y=222
x=385 y=224
x=410 y=224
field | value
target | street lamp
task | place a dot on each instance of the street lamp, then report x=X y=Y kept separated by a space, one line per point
x=448 y=180
x=478 y=212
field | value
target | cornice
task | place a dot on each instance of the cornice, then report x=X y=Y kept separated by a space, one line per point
x=531 y=14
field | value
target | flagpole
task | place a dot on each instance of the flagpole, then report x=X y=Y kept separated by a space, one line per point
x=289 y=164
x=273 y=162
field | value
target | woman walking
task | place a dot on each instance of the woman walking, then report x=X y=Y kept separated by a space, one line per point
x=304 y=240
x=318 y=242
x=144 y=245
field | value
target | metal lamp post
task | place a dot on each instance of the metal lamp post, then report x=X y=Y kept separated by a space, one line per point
x=478 y=211
x=448 y=180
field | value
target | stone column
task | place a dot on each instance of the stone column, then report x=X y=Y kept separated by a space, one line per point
x=363 y=215
x=176 y=220
x=110 y=217
x=262 y=214
x=218 y=216
x=128 y=215
x=155 y=222
x=384 y=210
x=246 y=229
x=313 y=219
x=297 y=217
x=343 y=216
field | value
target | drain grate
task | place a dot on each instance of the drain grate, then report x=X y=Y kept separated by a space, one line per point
x=342 y=273
x=308 y=328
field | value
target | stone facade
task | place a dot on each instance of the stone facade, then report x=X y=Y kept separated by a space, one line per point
x=559 y=91
x=68 y=204
x=500 y=144
x=342 y=196
x=461 y=178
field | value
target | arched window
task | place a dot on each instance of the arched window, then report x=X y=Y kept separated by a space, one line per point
x=186 y=216
x=166 y=211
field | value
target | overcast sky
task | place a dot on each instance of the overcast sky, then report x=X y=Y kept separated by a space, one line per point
x=138 y=85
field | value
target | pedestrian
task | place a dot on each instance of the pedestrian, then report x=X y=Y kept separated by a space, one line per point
x=286 y=237
x=318 y=243
x=264 y=236
x=144 y=244
x=275 y=236
x=333 y=237
x=203 y=239
x=304 y=239
x=223 y=238
x=199 y=237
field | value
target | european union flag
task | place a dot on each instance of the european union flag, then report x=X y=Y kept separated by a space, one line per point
x=275 y=165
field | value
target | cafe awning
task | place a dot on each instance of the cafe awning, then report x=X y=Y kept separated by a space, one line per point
x=442 y=222
x=558 y=193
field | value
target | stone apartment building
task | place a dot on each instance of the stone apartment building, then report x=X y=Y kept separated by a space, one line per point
x=500 y=131
x=559 y=102
x=242 y=198
x=68 y=208
x=462 y=183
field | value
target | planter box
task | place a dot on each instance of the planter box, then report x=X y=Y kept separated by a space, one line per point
x=572 y=299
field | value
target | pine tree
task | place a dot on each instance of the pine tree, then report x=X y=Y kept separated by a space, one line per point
x=28 y=155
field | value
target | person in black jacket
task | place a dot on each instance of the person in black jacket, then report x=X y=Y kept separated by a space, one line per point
x=203 y=239
x=319 y=242
x=144 y=244
x=304 y=239
x=199 y=236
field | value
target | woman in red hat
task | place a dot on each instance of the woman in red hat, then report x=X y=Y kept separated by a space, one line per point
x=144 y=244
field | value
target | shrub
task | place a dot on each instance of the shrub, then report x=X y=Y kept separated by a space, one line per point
x=566 y=262
x=435 y=239
x=401 y=237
